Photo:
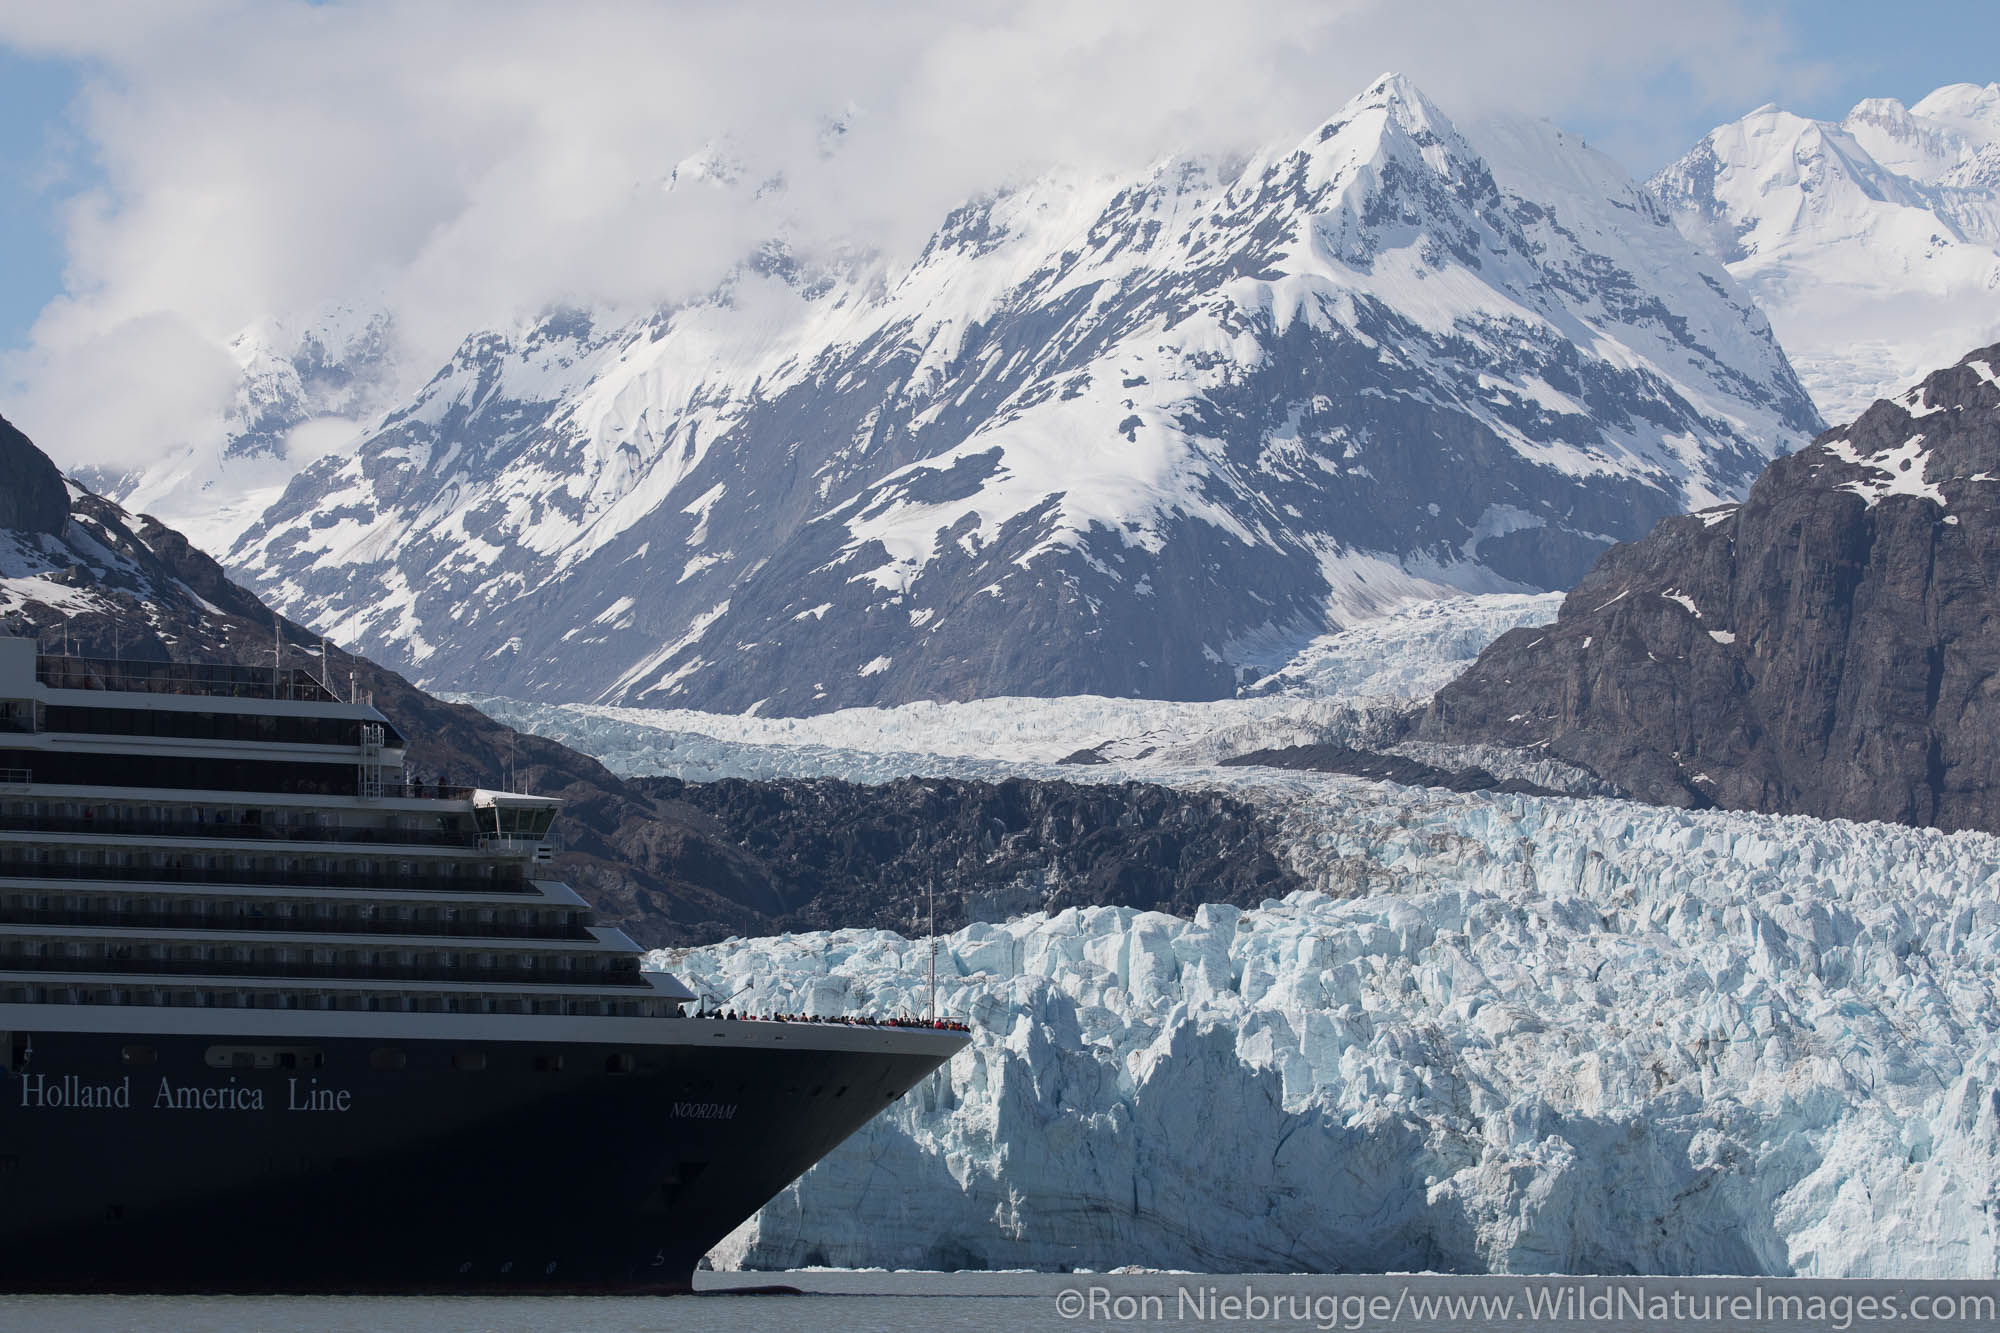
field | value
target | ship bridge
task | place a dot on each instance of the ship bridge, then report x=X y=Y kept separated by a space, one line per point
x=515 y=824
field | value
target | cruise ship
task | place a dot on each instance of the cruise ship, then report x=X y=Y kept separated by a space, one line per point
x=276 y=1017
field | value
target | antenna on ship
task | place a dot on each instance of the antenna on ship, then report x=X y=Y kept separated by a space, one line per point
x=277 y=652
x=933 y=929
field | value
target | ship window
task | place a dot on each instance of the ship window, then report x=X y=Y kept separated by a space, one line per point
x=621 y=1063
x=387 y=1059
x=548 y=1064
x=469 y=1062
x=266 y=1057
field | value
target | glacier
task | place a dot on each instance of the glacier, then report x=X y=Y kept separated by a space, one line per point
x=1495 y=1033
x=1498 y=1033
x=1341 y=686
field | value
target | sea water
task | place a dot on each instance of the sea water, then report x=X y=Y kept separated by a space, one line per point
x=825 y=1301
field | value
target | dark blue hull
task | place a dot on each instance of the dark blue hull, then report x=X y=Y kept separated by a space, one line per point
x=147 y=1162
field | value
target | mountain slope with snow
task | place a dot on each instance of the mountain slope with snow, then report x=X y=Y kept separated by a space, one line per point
x=1102 y=436
x=1873 y=244
x=309 y=385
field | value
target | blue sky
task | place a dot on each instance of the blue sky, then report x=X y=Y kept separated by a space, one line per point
x=261 y=157
x=42 y=162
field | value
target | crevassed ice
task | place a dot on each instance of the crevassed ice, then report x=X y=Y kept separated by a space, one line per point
x=1536 y=1035
x=1337 y=688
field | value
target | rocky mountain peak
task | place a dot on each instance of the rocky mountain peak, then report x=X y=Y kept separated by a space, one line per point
x=1125 y=436
x=1873 y=243
x=1824 y=648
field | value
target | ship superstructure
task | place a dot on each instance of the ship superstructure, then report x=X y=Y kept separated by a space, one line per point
x=276 y=1015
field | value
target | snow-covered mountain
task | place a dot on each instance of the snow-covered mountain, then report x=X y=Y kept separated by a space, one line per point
x=309 y=385
x=1873 y=244
x=1138 y=436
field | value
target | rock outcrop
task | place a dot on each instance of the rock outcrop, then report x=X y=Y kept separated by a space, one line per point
x=852 y=854
x=1829 y=647
x=34 y=498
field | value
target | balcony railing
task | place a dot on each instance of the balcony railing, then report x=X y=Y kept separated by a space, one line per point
x=220 y=831
x=226 y=967
x=195 y=678
x=219 y=921
x=250 y=879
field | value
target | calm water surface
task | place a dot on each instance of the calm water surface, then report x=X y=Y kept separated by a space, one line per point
x=864 y=1302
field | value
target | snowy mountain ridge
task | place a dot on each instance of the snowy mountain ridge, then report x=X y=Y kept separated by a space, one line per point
x=309 y=385
x=1123 y=437
x=1873 y=244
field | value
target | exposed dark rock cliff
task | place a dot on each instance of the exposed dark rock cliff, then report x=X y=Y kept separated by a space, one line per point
x=33 y=498
x=847 y=854
x=1830 y=647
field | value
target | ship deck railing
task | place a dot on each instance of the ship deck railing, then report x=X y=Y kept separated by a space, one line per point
x=278 y=879
x=239 y=831
x=834 y=1020
x=411 y=973
x=247 y=924
x=190 y=678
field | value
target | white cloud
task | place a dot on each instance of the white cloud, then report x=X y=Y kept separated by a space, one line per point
x=469 y=159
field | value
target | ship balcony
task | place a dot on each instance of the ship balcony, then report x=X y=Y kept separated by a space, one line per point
x=516 y=883
x=185 y=678
x=241 y=831
x=535 y=849
x=218 y=969
x=253 y=923
x=126 y=991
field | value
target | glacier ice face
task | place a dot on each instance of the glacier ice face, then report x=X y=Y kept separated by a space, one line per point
x=1499 y=1033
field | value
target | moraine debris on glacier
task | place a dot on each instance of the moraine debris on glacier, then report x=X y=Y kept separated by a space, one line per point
x=1556 y=1036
